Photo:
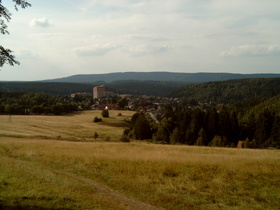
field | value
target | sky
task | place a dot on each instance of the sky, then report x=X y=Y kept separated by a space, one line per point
x=60 y=38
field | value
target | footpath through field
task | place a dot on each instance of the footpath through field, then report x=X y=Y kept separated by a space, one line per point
x=123 y=201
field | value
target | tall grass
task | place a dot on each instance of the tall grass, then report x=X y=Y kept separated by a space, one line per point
x=25 y=184
x=173 y=177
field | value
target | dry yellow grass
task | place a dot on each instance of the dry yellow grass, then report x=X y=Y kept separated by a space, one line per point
x=172 y=177
x=71 y=127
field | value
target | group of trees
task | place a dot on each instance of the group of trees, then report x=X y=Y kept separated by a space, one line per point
x=35 y=103
x=54 y=88
x=178 y=125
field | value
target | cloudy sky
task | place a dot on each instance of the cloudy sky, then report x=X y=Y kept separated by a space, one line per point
x=59 y=38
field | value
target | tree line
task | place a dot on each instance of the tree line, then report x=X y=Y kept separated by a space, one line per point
x=53 y=88
x=256 y=122
x=17 y=103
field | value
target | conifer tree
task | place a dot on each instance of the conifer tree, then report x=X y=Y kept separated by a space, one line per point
x=201 y=140
x=263 y=126
x=142 y=128
x=174 y=137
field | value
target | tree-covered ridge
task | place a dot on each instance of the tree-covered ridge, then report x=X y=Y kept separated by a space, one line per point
x=271 y=104
x=154 y=88
x=254 y=121
x=218 y=92
x=230 y=91
x=151 y=88
x=160 y=76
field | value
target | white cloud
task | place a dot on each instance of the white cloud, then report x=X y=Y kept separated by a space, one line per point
x=252 y=50
x=146 y=37
x=47 y=36
x=140 y=50
x=40 y=22
x=27 y=54
x=95 y=50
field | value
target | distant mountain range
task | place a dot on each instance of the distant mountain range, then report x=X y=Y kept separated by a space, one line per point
x=159 y=76
x=221 y=87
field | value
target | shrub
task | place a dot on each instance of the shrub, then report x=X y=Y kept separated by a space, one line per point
x=97 y=119
x=95 y=135
x=126 y=131
x=105 y=113
x=124 y=138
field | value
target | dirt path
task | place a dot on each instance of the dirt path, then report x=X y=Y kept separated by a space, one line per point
x=123 y=201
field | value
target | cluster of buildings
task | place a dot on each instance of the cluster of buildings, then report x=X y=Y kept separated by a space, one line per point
x=144 y=103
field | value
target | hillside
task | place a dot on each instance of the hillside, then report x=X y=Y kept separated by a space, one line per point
x=154 y=88
x=151 y=88
x=271 y=105
x=159 y=76
x=230 y=91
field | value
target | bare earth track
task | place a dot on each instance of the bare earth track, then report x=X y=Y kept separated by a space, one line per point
x=123 y=201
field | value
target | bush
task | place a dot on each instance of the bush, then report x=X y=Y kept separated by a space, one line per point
x=105 y=113
x=126 y=131
x=97 y=119
x=124 y=138
x=95 y=136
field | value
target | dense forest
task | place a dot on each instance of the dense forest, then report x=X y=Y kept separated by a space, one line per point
x=217 y=92
x=154 y=88
x=254 y=121
x=230 y=91
x=19 y=103
x=150 y=88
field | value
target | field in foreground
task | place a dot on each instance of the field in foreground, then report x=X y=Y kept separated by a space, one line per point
x=43 y=160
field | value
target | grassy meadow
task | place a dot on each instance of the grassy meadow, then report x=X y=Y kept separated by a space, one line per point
x=33 y=148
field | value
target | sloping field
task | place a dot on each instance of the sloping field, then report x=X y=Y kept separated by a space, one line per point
x=62 y=167
x=78 y=127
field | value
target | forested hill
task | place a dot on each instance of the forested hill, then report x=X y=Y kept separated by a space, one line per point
x=159 y=76
x=271 y=105
x=230 y=91
x=154 y=88
x=219 y=92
